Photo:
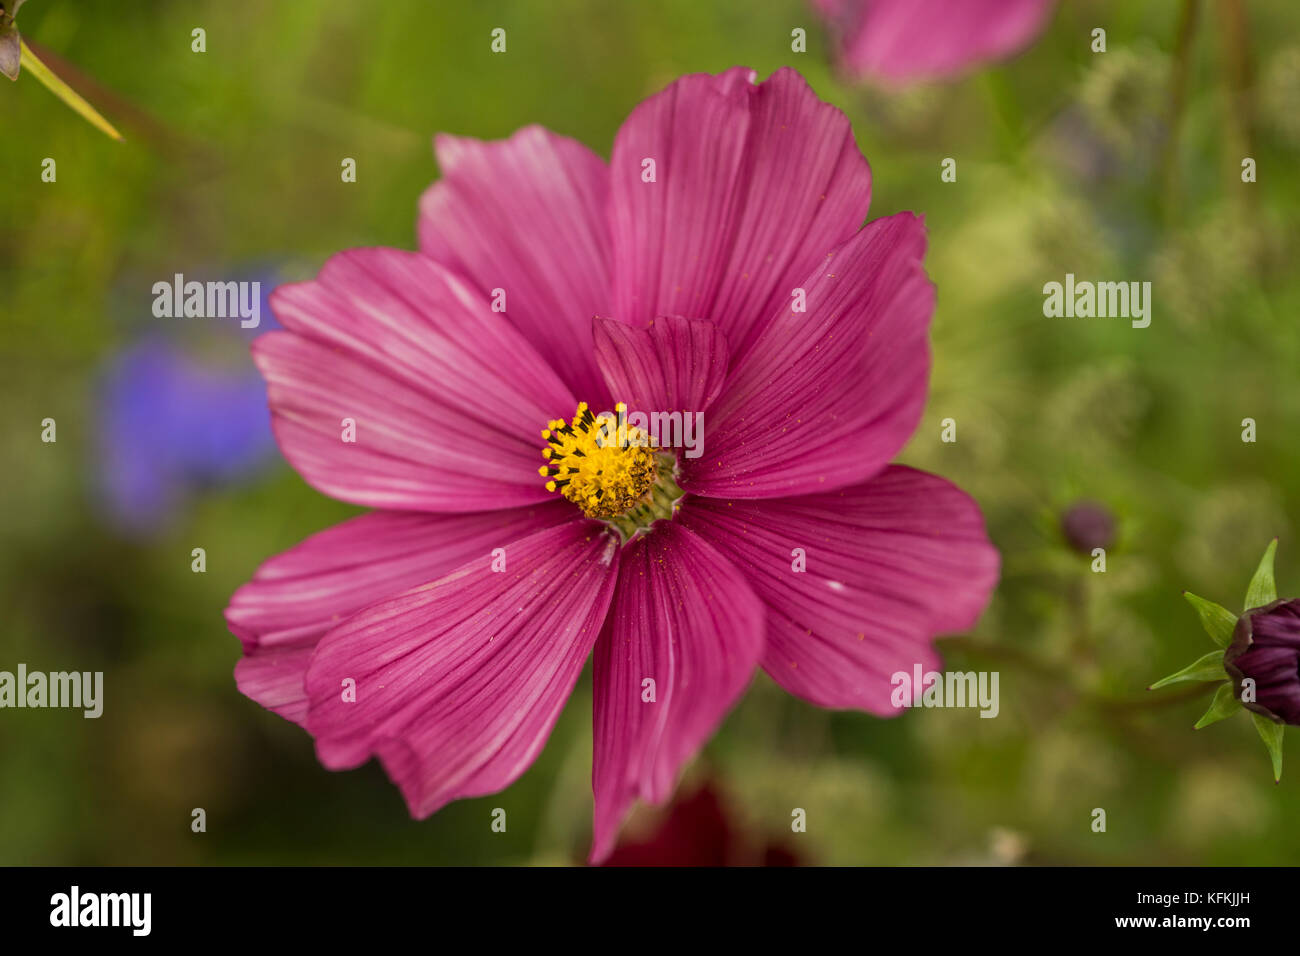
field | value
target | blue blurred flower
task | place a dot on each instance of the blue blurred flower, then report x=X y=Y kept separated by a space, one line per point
x=173 y=423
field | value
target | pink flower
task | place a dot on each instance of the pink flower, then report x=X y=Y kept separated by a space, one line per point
x=701 y=830
x=902 y=41
x=668 y=292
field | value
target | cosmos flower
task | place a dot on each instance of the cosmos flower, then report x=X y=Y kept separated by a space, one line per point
x=698 y=830
x=172 y=425
x=905 y=41
x=443 y=632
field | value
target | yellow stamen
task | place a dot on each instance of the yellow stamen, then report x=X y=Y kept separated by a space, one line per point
x=602 y=465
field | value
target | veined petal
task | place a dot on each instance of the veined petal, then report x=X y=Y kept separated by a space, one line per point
x=826 y=397
x=684 y=618
x=675 y=364
x=753 y=185
x=807 y=189
x=445 y=396
x=459 y=682
x=888 y=566
x=527 y=215
x=673 y=195
x=295 y=597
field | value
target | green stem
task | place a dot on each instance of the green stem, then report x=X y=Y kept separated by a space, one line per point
x=1177 y=103
x=1062 y=676
x=1236 y=54
x=47 y=78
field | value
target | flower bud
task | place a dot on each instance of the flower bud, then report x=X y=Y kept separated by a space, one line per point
x=1087 y=525
x=1265 y=649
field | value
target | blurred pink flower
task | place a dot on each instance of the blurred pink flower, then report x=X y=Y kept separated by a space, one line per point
x=903 y=41
x=722 y=198
x=698 y=830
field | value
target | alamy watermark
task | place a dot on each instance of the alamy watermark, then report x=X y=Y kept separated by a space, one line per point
x=953 y=689
x=625 y=429
x=74 y=908
x=179 y=299
x=77 y=689
x=1086 y=300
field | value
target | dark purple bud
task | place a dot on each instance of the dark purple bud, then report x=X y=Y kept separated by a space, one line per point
x=1087 y=525
x=1265 y=649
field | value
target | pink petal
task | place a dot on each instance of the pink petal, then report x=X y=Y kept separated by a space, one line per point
x=527 y=215
x=447 y=398
x=825 y=398
x=684 y=617
x=295 y=597
x=674 y=365
x=459 y=682
x=902 y=41
x=671 y=236
x=807 y=189
x=754 y=185
x=890 y=564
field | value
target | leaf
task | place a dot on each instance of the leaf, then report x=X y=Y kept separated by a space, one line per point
x=1217 y=620
x=1263 y=589
x=64 y=92
x=1225 y=704
x=1270 y=732
x=1209 y=667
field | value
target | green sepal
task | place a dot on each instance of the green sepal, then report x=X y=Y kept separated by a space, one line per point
x=1263 y=589
x=1217 y=620
x=1270 y=732
x=1209 y=667
x=1225 y=704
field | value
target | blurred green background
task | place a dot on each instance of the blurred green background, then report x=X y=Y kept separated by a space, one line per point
x=1068 y=161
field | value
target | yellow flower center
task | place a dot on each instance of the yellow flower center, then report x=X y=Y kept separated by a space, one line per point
x=609 y=469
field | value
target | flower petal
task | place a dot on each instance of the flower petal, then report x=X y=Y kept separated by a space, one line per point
x=1266 y=648
x=903 y=41
x=890 y=564
x=527 y=215
x=825 y=398
x=447 y=398
x=295 y=597
x=459 y=682
x=671 y=229
x=807 y=188
x=685 y=618
x=754 y=184
x=674 y=365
